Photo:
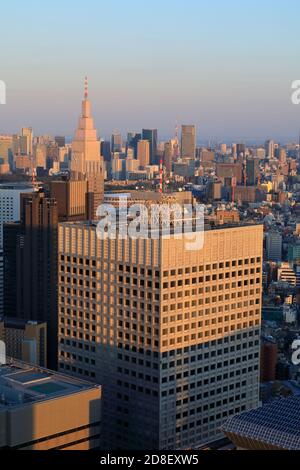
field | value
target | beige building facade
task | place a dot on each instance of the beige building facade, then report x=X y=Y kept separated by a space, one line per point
x=173 y=335
x=43 y=410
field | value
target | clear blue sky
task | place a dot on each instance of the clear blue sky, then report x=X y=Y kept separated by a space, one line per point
x=225 y=65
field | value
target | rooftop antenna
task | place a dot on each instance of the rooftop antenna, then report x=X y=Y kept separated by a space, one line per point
x=86 y=88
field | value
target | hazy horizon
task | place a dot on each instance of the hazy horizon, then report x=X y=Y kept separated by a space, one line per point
x=219 y=66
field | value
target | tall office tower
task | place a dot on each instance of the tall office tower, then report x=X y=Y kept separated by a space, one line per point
x=282 y=156
x=227 y=171
x=86 y=160
x=106 y=150
x=132 y=141
x=116 y=142
x=274 y=246
x=252 y=170
x=72 y=198
x=188 y=141
x=168 y=156
x=270 y=149
x=143 y=153
x=260 y=153
x=117 y=167
x=151 y=136
x=30 y=266
x=223 y=149
x=6 y=149
x=9 y=212
x=234 y=150
x=40 y=156
x=43 y=410
x=241 y=149
x=26 y=141
x=60 y=140
x=173 y=335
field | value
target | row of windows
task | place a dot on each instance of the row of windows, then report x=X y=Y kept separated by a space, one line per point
x=79 y=345
x=213 y=278
x=212 y=406
x=193 y=396
x=75 y=370
x=208 y=357
x=210 y=344
x=211 y=367
x=212 y=267
x=218 y=315
x=210 y=300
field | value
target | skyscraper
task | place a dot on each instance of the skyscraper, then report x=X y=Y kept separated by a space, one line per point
x=168 y=156
x=151 y=136
x=30 y=266
x=143 y=153
x=106 y=150
x=60 y=141
x=9 y=212
x=188 y=142
x=173 y=335
x=252 y=170
x=270 y=149
x=274 y=246
x=116 y=142
x=27 y=141
x=132 y=141
x=86 y=161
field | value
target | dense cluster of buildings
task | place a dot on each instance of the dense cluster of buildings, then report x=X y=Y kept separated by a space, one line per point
x=163 y=346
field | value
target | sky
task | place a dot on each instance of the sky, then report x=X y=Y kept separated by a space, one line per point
x=225 y=65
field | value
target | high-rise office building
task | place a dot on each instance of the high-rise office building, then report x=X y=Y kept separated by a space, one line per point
x=60 y=141
x=270 y=149
x=30 y=266
x=43 y=410
x=252 y=171
x=188 y=141
x=6 y=149
x=132 y=141
x=143 y=153
x=116 y=142
x=173 y=335
x=240 y=150
x=9 y=212
x=168 y=156
x=106 y=150
x=72 y=199
x=151 y=136
x=274 y=246
x=26 y=141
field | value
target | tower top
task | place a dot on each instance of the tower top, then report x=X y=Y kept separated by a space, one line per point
x=86 y=88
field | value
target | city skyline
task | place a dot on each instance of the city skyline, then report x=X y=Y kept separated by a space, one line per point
x=149 y=238
x=225 y=69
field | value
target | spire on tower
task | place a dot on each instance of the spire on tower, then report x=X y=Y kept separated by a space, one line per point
x=86 y=88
